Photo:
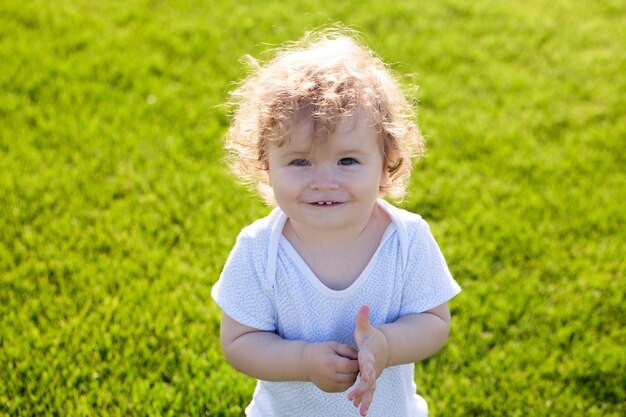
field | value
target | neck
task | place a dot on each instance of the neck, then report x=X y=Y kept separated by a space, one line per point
x=333 y=237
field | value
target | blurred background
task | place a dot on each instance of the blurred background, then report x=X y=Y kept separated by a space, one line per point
x=118 y=212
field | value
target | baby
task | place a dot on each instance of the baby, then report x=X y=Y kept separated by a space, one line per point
x=330 y=299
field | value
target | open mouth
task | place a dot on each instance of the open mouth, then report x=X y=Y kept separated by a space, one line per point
x=325 y=203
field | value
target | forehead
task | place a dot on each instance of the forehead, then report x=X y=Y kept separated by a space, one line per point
x=354 y=129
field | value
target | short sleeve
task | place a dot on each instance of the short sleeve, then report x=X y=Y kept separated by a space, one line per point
x=240 y=292
x=427 y=280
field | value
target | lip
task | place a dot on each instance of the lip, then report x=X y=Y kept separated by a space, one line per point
x=325 y=203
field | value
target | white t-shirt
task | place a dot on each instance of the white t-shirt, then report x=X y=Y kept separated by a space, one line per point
x=265 y=284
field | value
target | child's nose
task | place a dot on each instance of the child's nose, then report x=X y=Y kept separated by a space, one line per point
x=323 y=180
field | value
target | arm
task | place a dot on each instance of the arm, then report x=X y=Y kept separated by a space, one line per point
x=409 y=339
x=265 y=355
x=417 y=336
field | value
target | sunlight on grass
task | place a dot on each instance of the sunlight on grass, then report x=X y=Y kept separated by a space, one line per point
x=118 y=212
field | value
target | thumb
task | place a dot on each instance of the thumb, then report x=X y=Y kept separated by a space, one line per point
x=363 y=325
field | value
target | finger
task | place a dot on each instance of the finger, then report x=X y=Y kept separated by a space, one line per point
x=356 y=398
x=346 y=377
x=343 y=381
x=354 y=395
x=362 y=320
x=366 y=365
x=364 y=399
x=346 y=365
x=364 y=409
x=346 y=351
x=357 y=393
x=367 y=400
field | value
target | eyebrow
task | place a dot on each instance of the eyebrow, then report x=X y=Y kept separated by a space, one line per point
x=294 y=154
x=352 y=151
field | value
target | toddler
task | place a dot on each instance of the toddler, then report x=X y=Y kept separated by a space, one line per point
x=330 y=299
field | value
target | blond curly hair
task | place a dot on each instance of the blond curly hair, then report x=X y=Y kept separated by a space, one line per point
x=329 y=75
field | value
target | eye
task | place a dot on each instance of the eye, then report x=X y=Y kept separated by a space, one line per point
x=300 y=162
x=348 y=161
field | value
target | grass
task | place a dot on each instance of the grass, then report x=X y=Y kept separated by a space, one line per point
x=118 y=214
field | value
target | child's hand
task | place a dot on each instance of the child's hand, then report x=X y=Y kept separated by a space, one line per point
x=331 y=366
x=373 y=355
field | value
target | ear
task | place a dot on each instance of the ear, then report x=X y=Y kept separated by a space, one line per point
x=384 y=179
x=268 y=172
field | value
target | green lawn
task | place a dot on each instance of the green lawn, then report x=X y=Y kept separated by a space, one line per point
x=118 y=214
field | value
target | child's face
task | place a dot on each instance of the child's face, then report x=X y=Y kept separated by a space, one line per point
x=328 y=185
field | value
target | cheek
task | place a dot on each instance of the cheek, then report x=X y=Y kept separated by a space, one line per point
x=283 y=183
x=370 y=179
